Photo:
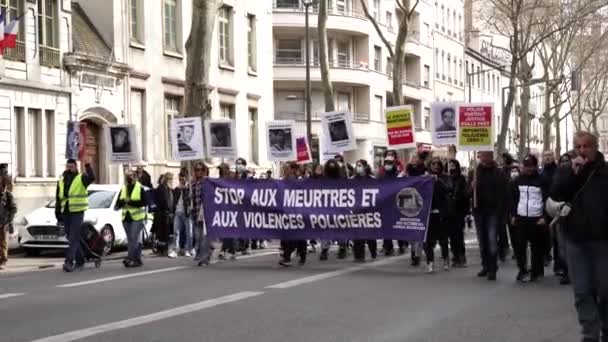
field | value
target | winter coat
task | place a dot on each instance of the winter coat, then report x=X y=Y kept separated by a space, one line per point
x=493 y=192
x=529 y=194
x=8 y=208
x=458 y=200
x=588 y=219
x=178 y=192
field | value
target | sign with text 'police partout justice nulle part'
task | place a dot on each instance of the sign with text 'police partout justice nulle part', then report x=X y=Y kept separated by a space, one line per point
x=475 y=126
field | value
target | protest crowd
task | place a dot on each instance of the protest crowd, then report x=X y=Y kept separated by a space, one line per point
x=549 y=211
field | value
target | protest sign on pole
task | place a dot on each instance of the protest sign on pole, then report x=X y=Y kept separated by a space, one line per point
x=303 y=150
x=338 y=132
x=281 y=140
x=122 y=142
x=475 y=126
x=221 y=138
x=443 y=123
x=75 y=142
x=400 y=127
x=187 y=138
x=337 y=209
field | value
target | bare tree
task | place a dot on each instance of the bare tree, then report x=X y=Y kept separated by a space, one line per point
x=397 y=55
x=198 y=52
x=527 y=24
x=328 y=90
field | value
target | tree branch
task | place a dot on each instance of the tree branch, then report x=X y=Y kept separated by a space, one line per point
x=378 y=30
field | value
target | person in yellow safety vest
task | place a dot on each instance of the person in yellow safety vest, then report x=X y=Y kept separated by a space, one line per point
x=71 y=201
x=132 y=201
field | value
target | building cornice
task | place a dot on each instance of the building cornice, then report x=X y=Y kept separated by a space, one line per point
x=174 y=82
x=140 y=75
x=13 y=82
x=81 y=61
x=227 y=91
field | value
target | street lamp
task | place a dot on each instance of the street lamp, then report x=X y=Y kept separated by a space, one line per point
x=307 y=4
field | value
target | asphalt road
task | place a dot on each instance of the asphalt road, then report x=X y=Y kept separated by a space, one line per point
x=253 y=299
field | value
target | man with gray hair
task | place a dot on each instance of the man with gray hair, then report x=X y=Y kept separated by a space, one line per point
x=583 y=186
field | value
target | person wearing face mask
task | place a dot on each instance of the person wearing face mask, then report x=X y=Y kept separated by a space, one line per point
x=437 y=231
x=132 y=202
x=363 y=171
x=390 y=169
x=72 y=201
x=290 y=173
x=458 y=207
x=346 y=170
x=332 y=171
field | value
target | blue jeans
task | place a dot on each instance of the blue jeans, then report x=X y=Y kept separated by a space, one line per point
x=73 y=229
x=588 y=269
x=182 y=221
x=134 y=230
x=487 y=236
x=203 y=248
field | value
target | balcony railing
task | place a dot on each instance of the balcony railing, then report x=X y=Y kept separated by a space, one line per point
x=15 y=54
x=301 y=116
x=413 y=84
x=50 y=57
x=297 y=7
x=314 y=62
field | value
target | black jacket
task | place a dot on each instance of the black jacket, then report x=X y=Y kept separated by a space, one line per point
x=529 y=194
x=441 y=194
x=164 y=200
x=178 y=192
x=493 y=193
x=458 y=200
x=588 y=219
x=8 y=208
x=548 y=175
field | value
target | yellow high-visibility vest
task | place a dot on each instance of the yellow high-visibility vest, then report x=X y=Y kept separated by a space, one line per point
x=78 y=197
x=137 y=213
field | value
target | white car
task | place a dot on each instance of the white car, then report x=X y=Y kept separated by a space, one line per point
x=40 y=230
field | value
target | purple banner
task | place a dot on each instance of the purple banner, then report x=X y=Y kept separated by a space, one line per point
x=318 y=209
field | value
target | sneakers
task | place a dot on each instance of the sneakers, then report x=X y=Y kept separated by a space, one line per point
x=401 y=250
x=446 y=265
x=483 y=273
x=415 y=261
x=2 y=265
x=173 y=254
x=285 y=263
x=430 y=268
x=492 y=276
x=233 y=257
x=323 y=256
x=221 y=256
x=203 y=263
x=188 y=254
x=522 y=277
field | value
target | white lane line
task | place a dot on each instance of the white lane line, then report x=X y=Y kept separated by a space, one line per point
x=11 y=295
x=145 y=319
x=332 y=274
x=125 y=276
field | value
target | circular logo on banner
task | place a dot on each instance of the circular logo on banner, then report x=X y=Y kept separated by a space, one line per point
x=409 y=201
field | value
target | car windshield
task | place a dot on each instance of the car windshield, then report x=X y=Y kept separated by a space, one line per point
x=98 y=199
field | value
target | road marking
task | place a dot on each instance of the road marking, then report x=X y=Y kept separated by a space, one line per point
x=332 y=274
x=125 y=276
x=145 y=319
x=11 y=295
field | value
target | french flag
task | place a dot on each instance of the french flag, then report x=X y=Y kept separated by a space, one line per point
x=10 y=34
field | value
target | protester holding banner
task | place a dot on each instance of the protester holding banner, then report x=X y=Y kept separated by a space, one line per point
x=390 y=170
x=289 y=246
x=332 y=170
x=364 y=171
x=492 y=204
x=242 y=173
x=458 y=208
x=203 y=254
x=228 y=244
x=437 y=230
x=398 y=163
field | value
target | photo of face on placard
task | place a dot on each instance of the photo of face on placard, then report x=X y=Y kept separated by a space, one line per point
x=184 y=137
x=280 y=139
x=75 y=141
x=338 y=131
x=447 y=119
x=121 y=140
x=220 y=134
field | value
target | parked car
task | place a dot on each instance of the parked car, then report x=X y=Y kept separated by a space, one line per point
x=40 y=230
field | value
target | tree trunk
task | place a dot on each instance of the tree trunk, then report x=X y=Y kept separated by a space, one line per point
x=558 y=135
x=198 y=50
x=506 y=111
x=399 y=61
x=328 y=90
x=524 y=122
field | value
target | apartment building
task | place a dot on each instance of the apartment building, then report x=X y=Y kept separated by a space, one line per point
x=359 y=63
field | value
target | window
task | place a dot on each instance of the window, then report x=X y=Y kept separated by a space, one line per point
x=460 y=27
x=251 y=43
x=343 y=6
x=289 y=102
x=488 y=78
x=288 y=3
x=377 y=59
x=389 y=19
x=454 y=24
x=170 y=16
x=376 y=10
x=443 y=14
x=455 y=71
x=289 y=51
x=21 y=142
x=378 y=105
x=427 y=76
x=389 y=66
x=227 y=111
x=253 y=136
x=34 y=145
x=427 y=118
x=47 y=21
x=225 y=32
x=12 y=9
x=478 y=77
x=443 y=65
x=467 y=72
x=460 y=71
x=137 y=22
x=426 y=34
x=173 y=108
x=343 y=102
x=344 y=54
x=436 y=15
x=449 y=68
x=138 y=118
x=49 y=119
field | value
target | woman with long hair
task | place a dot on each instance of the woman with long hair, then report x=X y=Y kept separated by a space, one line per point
x=363 y=171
